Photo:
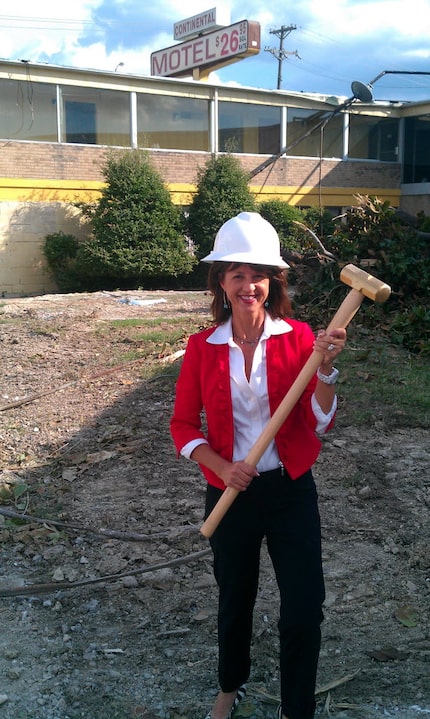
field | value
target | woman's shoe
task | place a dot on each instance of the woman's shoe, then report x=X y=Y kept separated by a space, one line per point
x=241 y=694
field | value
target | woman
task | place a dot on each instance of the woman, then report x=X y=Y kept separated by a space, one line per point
x=238 y=373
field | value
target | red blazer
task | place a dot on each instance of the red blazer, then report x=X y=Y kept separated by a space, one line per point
x=204 y=383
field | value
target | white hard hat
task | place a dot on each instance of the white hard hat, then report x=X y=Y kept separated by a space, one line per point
x=247 y=238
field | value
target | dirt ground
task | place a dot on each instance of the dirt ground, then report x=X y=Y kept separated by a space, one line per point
x=108 y=636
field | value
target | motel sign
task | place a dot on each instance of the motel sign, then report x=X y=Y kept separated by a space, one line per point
x=212 y=19
x=208 y=50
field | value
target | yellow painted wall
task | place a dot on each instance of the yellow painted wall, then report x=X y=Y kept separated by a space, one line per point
x=65 y=191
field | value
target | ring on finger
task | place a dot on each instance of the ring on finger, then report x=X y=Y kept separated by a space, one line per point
x=331 y=347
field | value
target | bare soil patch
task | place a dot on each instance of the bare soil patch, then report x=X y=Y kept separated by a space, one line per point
x=91 y=450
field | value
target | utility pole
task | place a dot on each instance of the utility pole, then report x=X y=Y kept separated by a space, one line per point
x=280 y=54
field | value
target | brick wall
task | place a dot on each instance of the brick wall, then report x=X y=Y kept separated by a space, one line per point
x=79 y=162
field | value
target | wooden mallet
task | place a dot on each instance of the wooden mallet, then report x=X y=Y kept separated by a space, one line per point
x=363 y=285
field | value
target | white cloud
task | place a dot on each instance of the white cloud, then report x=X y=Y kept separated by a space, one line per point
x=337 y=40
x=32 y=31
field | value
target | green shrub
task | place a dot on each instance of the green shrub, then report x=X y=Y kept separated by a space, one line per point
x=411 y=329
x=222 y=192
x=61 y=251
x=137 y=232
x=282 y=216
x=320 y=220
x=399 y=255
x=137 y=235
x=374 y=235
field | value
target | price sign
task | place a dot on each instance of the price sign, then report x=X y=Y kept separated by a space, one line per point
x=214 y=50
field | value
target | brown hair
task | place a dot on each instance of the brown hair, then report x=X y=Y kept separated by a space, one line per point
x=279 y=303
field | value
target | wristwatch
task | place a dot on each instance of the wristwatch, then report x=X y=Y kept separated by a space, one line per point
x=328 y=378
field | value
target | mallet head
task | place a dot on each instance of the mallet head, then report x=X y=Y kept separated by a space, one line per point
x=368 y=285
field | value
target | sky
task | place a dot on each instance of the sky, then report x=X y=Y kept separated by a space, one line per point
x=331 y=44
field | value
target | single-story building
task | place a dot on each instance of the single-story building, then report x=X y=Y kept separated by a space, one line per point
x=56 y=124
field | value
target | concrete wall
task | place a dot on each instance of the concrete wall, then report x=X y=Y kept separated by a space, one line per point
x=415 y=198
x=23 y=227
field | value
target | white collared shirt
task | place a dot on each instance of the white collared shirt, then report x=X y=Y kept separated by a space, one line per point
x=251 y=411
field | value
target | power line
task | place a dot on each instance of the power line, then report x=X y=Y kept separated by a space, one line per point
x=45 y=23
x=29 y=22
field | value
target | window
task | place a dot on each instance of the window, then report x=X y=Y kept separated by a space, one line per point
x=28 y=111
x=373 y=138
x=249 y=128
x=314 y=133
x=80 y=122
x=180 y=123
x=96 y=117
x=417 y=149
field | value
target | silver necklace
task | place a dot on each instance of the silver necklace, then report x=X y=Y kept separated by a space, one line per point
x=246 y=341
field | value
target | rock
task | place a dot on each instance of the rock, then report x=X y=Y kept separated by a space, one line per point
x=130 y=582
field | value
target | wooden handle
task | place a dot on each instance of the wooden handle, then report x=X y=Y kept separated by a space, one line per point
x=342 y=318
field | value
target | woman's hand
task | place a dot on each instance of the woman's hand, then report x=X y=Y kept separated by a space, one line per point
x=330 y=344
x=238 y=475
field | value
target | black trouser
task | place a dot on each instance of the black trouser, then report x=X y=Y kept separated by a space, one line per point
x=286 y=513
